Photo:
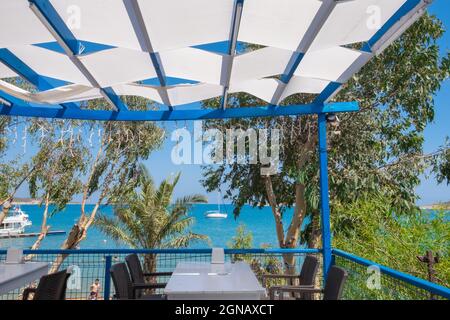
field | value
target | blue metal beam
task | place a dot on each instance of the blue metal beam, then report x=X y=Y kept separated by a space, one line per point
x=407 y=7
x=18 y=108
x=57 y=23
x=113 y=252
x=23 y=70
x=313 y=30
x=417 y=282
x=48 y=15
x=324 y=197
x=114 y=98
x=107 y=281
x=135 y=15
x=237 y=14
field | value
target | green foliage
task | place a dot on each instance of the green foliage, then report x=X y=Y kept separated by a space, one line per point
x=10 y=175
x=242 y=240
x=370 y=229
x=441 y=164
x=146 y=218
x=13 y=172
x=58 y=167
x=265 y=264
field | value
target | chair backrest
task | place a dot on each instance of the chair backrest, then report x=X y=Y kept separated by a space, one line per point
x=121 y=280
x=334 y=285
x=309 y=270
x=134 y=265
x=52 y=286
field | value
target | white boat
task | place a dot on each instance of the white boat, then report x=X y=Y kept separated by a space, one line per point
x=216 y=214
x=15 y=223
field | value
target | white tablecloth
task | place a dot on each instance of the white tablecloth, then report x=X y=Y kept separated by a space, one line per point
x=205 y=281
x=14 y=276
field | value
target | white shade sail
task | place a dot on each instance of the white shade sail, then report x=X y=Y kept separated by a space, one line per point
x=193 y=64
x=119 y=65
x=49 y=63
x=100 y=21
x=292 y=46
x=277 y=23
x=328 y=64
x=6 y=72
x=355 y=21
x=19 y=25
x=174 y=24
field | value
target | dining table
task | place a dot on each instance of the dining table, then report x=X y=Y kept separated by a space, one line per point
x=17 y=275
x=207 y=281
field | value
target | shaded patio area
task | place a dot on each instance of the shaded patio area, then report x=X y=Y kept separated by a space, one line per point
x=298 y=52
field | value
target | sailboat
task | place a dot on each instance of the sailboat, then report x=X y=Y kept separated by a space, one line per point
x=216 y=214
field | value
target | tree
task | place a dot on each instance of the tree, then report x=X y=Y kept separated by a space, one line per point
x=146 y=218
x=377 y=149
x=57 y=179
x=14 y=174
x=114 y=164
x=108 y=166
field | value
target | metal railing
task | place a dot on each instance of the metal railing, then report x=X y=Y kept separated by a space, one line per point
x=91 y=264
x=368 y=280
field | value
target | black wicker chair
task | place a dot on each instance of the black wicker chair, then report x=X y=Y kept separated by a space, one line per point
x=125 y=289
x=138 y=275
x=334 y=286
x=306 y=277
x=51 y=287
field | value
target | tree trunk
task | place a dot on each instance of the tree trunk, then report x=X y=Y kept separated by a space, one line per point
x=5 y=208
x=288 y=259
x=292 y=237
x=275 y=210
x=150 y=264
x=76 y=235
x=293 y=234
x=44 y=228
x=314 y=239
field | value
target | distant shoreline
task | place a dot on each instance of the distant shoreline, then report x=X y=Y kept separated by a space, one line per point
x=25 y=201
x=435 y=207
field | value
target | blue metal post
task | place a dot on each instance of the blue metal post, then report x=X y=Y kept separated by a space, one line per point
x=107 y=284
x=324 y=197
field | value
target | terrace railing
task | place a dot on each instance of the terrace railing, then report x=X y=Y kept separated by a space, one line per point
x=91 y=264
x=370 y=281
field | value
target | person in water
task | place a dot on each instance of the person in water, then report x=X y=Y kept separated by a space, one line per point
x=95 y=290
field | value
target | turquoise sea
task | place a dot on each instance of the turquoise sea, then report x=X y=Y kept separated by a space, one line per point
x=259 y=221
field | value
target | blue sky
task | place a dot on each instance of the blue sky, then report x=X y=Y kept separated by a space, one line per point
x=161 y=166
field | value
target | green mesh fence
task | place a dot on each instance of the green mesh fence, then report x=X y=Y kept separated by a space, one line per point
x=361 y=284
x=89 y=266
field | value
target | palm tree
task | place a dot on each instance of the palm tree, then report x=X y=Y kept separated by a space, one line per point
x=146 y=218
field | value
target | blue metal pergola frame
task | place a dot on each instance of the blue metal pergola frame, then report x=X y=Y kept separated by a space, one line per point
x=11 y=106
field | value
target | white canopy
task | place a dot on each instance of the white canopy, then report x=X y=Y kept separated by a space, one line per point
x=296 y=46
